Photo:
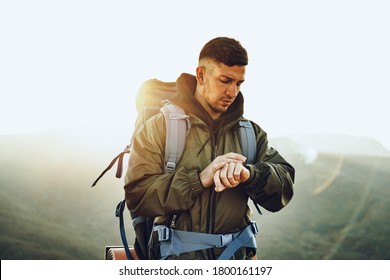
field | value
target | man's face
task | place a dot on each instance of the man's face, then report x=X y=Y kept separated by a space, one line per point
x=220 y=86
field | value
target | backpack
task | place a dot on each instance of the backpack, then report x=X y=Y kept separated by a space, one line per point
x=152 y=98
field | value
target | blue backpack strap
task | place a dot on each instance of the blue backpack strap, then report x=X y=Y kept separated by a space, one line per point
x=176 y=242
x=247 y=138
x=177 y=128
x=247 y=238
x=119 y=213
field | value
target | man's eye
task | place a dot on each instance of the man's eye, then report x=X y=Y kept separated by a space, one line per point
x=225 y=81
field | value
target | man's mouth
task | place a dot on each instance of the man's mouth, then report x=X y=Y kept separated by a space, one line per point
x=227 y=102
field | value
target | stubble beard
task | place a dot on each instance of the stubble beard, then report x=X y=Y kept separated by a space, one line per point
x=212 y=104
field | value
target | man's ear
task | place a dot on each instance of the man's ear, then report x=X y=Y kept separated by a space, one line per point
x=200 y=74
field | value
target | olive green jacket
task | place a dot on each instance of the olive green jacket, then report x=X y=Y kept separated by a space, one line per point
x=151 y=192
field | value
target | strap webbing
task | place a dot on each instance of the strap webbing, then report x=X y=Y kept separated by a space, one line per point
x=176 y=242
x=119 y=213
x=119 y=169
x=177 y=127
x=247 y=235
x=247 y=138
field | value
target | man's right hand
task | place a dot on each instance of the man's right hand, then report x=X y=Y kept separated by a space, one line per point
x=207 y=175
x=230 y=176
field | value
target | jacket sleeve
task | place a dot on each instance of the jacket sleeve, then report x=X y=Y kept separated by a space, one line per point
x=272 y=177
x=148 y=190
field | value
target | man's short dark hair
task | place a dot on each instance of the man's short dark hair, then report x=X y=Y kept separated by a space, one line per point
x=225 y=50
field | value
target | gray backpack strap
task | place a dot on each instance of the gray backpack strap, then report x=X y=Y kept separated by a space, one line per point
x=247 y=138
x=177 y=127
x=176 y=242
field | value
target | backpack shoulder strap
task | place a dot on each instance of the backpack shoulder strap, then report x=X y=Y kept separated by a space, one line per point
x=247 y=138
x=177 y=128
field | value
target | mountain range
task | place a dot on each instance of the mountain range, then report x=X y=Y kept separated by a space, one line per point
x=48 y=209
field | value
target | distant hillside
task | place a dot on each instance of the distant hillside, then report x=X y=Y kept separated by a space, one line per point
x=108 y=141
x=338 y=212
x=311 y=145
x=49 y=211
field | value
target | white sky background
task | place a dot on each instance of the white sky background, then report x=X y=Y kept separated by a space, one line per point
x=315 y=66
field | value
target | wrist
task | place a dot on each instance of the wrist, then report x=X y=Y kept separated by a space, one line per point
x=204 y=180
x=252 y=174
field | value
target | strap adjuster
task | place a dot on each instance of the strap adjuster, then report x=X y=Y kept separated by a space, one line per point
x=226 y=239
x=177 y=116
x=171 y=166
x=163 y=234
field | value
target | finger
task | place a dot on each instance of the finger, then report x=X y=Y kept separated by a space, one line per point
x=237 y=172
x=223 y=175
x=207 y=175
x=219 y=187
x=234 y=174
x=242 y=172
x=217 y=182
x=245 y=174
x=218 y=166
x=235 y=156
x=230 y=158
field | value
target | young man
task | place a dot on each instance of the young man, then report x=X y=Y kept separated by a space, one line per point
x=209 y=190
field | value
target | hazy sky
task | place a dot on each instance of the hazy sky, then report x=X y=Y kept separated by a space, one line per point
x=315 y=66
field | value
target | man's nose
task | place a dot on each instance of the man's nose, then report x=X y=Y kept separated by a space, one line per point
x=232 y=90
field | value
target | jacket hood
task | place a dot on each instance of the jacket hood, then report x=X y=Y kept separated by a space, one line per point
x=185 y=98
